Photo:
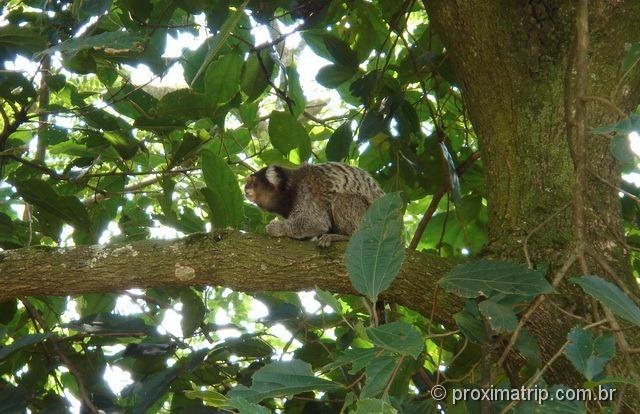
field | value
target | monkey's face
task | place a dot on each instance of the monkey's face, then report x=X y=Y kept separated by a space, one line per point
x=264 y=189
x=260 y=191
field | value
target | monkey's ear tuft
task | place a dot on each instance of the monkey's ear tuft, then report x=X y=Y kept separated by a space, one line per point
x=275 y=176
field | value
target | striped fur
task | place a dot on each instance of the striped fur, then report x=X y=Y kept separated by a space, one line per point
x=316 y=200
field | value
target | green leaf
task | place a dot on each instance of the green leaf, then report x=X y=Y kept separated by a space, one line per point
x=255 y=78
x=356 y=357
x=221 y=38
x=621 y=149
x=42 y=195
x=188 y=147
x=17 y=39
x=111 y=42
x=295 y=90
x=327 y=298
x=222 y=194
x=399 y=337
x=373 y=406
x=587 y=355
x=223 y=78
x=286 y=133
x=53 y=135
x=8 y=310
x=84 y=9
x=283 y=378
x=55 y=82
x=193 y=311
x=340 y=51
x=23 y=342
x=95 y=303
x=527 y=344
x=484 y=278
x=379 y=372
x=339 y=143
x=371 y=125
x=123 y=142
x=231 y=142
x=501 y=317
x=471 y=326
x=183 y=105
x=623 y=127
x=332 y=76
x=245 y=407
x=375 y=251
x=611 y=296
x=209 y=397
x=330 y=47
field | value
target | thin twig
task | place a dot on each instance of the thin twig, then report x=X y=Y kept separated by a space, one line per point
x=433 y=205
x=525 y=244
x=608 y=103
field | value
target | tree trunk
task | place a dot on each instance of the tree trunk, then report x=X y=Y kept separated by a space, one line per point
x=514 y=63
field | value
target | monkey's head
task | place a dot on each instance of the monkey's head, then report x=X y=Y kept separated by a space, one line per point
x=269 y=190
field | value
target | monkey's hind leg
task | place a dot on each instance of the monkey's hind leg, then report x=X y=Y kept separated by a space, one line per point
x=346 y=211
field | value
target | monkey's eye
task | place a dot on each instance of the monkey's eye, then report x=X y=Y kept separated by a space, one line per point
x=250 y=180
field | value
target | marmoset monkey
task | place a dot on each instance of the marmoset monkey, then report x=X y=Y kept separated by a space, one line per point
x=322 y=200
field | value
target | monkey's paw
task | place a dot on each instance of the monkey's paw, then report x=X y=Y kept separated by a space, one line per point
x=325 y=240
x=276 y=228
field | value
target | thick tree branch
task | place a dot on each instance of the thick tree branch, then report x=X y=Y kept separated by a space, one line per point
x=240 y=261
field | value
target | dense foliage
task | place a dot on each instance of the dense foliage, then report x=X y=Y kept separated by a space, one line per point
x=88 y=156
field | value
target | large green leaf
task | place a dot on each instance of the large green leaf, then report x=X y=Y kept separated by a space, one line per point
x=286 y=133
x=222 y=194
x=283 y=378
x=485 y=277
x=611 y=296
x=399 y=337
x=589 y=356
x=223 y=78
x=376 y=251
x=42 y=195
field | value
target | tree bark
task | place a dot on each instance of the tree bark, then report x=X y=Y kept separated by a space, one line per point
x=514 y=62
x=240 y=261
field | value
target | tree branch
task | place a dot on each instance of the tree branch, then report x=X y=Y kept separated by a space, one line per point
x=241 y=261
